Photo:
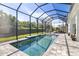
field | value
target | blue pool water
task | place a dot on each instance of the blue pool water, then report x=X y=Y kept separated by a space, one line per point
x=35 y=46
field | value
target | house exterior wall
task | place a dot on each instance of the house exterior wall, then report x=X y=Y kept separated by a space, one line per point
x=77 y=27
x=73 y=19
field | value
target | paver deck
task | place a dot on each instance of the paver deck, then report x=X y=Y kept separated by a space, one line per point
x=9 y=50
x=59 y=48
x=73 y=46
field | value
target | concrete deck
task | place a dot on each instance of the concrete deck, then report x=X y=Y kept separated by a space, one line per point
x=59 y=48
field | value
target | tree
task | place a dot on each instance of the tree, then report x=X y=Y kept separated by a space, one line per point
x=12 y=20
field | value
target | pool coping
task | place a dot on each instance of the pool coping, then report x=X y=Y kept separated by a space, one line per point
x=12 y=41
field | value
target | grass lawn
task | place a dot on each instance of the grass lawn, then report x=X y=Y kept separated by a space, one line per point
x=4 y=39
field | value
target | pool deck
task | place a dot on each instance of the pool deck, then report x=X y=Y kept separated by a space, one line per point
x=61 y=47
x=8 y=50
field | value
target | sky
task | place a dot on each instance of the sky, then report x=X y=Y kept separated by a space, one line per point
x=57 y=22
x=30 y=7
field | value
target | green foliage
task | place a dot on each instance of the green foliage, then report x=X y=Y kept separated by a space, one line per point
x=25 y=25
x=12 y=22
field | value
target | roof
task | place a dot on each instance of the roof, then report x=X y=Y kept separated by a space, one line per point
x=43 y=11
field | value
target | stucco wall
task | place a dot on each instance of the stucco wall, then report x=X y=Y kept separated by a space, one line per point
x=74 y=11
x=73 y=18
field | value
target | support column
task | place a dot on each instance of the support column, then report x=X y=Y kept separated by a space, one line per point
x=71 y=28
x=72 y=25
x=45 y=27
x=37 y=26
x=68 y=28
x=42 y=27
x=30 y=25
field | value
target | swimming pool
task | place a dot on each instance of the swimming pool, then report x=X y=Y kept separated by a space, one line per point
x=35 y=46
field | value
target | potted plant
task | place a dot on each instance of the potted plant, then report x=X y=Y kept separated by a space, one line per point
x=68 y=34
x=73 y=37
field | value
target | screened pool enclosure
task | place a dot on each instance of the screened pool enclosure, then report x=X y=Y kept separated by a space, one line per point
x=19 y=20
